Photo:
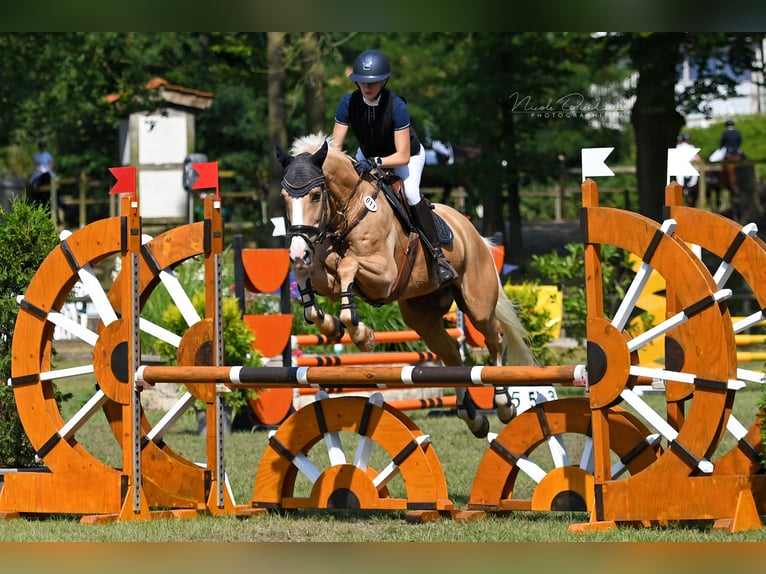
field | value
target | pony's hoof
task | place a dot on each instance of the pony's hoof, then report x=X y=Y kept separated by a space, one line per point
x=504 y=406
x=367 y=343
x=479 y=425
x=506 y=413
x=483 y=429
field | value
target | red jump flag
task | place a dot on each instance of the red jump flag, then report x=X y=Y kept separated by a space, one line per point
x=126 y=180
x=208 y=176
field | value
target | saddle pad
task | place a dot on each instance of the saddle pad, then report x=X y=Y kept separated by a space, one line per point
x=443 y=230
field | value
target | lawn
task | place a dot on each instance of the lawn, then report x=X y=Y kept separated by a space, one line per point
x=457 y=450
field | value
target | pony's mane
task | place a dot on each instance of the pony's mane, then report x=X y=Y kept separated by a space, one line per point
x=310 y=143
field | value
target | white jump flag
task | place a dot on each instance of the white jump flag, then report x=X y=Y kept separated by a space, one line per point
x=680 y=161
x=279 y=226
x=593 y=161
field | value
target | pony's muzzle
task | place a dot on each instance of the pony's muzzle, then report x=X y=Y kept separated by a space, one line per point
x=301 y=254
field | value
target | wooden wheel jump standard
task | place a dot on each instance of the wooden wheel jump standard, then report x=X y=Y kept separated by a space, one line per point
x=73 y=479
x=168 y=480
x=680 y=485
x=739 y=250
x=309 y=446
x=543 y=460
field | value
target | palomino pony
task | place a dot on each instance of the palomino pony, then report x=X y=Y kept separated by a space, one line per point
x=347 y=241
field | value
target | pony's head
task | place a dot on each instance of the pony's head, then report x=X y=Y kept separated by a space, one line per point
x=312 y=169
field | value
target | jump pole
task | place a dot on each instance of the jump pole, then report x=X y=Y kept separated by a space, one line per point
x=362 y=377
x=404 y=336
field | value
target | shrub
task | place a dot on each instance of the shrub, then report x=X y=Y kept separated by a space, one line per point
x=237 y=340
x=534 y=320
x=568 y=272
x=27 y=235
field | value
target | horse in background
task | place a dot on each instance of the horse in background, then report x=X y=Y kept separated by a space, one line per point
x=351 y=237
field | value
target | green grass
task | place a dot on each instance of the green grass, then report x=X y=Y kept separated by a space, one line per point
x=457 y=450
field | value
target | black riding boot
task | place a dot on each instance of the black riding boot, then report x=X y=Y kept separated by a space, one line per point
x=442 y=272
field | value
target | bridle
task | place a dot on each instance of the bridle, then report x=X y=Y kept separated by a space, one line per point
x=317 y=234
x=309 y=233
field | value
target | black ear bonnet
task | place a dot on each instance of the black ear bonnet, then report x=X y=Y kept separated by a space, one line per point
x=302 y=172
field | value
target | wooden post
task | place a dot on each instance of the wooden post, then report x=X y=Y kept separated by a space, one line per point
x=83 y=196
x=54 y=204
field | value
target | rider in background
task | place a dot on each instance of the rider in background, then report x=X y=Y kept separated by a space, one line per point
x=381 y=123
x=731 y=141
x=41 y=173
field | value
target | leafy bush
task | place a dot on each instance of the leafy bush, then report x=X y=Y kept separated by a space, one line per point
x=534 y=320
x=160 y=308
x=568 y=272
x=27 y=235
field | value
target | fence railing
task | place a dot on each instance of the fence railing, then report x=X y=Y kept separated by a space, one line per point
x=568 y=190
x=84 y=195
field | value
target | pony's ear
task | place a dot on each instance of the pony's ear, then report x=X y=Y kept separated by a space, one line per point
x=318 y=158
x=283 y=157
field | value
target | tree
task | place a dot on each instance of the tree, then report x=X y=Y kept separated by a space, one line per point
x=656 y=122
x=277 y=117
x=314 y=81
x=520 y=99
x=718 y=58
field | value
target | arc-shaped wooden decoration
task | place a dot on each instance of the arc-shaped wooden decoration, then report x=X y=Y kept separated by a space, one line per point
x=265 y=269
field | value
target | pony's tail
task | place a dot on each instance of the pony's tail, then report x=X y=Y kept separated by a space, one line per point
x=516 y=340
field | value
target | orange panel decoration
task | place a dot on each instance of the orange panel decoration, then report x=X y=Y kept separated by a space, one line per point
x=272 y=332
x=265 y=269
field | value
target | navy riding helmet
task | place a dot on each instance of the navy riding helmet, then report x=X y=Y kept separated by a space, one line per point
x=370 y=66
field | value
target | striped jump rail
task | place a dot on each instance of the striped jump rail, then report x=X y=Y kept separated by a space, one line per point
x=385 y=357
x=378 y=377
x=381 y=337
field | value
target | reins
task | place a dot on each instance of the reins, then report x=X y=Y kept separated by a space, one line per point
x=338 y=236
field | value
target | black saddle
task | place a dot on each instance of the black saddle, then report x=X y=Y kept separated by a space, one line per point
x=393 y=188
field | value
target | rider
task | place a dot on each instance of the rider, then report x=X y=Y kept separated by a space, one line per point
x=731 y=141
x=380 y=120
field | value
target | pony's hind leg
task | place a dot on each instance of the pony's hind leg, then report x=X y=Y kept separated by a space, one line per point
x=500 y=325
x=504 y=406
x=425 y=315
x=477 y=423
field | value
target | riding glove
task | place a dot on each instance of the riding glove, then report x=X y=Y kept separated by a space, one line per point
x=365 y=165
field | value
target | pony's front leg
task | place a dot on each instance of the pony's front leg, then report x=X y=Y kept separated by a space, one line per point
x=504 y=406
x=506 y=410
x=362 y=335
x=328 y=325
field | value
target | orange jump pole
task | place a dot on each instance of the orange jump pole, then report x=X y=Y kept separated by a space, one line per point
x=447 y=401
x=380 y=337
x=386 y=357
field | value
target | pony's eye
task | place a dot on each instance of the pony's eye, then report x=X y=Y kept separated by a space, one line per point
x=316 y=195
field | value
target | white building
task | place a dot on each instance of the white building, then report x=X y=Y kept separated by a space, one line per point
x=157 y=143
